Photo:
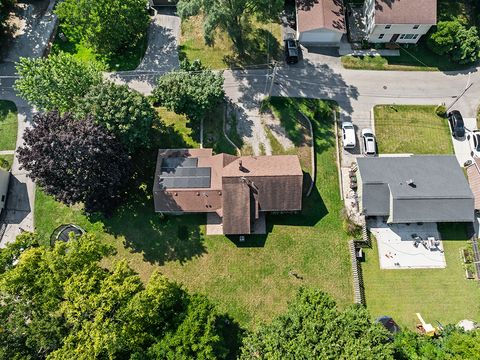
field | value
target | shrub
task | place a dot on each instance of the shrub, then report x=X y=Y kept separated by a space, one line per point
x=455 y=40
x=441 y=110
x=106 y=25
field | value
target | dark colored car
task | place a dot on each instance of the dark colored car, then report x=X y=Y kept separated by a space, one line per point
x=291 y=51
x=456 y=123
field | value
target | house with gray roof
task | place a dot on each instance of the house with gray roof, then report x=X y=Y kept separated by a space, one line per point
x=419 y=188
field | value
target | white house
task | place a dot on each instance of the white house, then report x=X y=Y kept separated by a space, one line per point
x=400 y=21
x=4 y=179
x=320 y=22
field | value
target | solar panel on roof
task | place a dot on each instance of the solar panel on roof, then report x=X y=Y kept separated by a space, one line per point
x=185 y=178
x=179 y=162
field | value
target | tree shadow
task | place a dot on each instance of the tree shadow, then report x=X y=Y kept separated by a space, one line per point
x=309 y=80
x=159 y=238
x=233 y=334
x=260 y=45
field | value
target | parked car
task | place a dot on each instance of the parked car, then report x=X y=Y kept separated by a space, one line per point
x=456 y=123
x=348 y=132
x=291 y=51
x=369 y=144
x=474 y=142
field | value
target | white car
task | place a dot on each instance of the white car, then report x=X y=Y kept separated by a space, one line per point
x=474 y=142
x=348 y=133
x=369 y=145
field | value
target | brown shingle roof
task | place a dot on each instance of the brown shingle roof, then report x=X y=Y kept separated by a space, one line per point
x=406 y=12
x=320 y=14
x=273 y=183
x=276 y=165
x=237 y=208
x=473 y=173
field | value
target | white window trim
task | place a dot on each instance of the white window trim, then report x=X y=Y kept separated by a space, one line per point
x=415 y=27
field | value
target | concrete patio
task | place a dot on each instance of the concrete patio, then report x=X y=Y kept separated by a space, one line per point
x=396 y=245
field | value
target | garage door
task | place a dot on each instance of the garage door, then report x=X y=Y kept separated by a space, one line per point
x=324 y=37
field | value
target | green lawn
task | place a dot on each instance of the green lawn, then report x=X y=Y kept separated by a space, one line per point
x=127 y=59
x=296 y=127
x=413 y=129
x=249 y=280
x=261 y=38
x=8 y=125
x=438 y=294
x=413 y=58
x=181 y=125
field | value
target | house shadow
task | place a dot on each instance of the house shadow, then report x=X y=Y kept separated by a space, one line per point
x=17 y=207
x=313 y=210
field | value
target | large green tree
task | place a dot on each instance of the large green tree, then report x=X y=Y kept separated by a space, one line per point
x=107 y=25
x=232 y=16
x=59 y=303
x=124 y=112
x=452 y=343
x=31 y=292
x=454 y=39
x=313 y=328
x=193 y=93
x=55 y=82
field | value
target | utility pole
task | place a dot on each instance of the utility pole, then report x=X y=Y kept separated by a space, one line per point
x=467 y=87
x=274 y=73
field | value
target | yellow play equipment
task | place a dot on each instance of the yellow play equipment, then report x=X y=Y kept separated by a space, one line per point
x=424 y=328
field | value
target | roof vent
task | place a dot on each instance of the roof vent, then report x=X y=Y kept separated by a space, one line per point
x=411 y=183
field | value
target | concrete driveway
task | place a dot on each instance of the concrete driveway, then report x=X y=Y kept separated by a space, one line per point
x=462 y=146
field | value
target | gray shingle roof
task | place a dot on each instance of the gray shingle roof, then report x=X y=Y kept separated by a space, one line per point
x=439 y=192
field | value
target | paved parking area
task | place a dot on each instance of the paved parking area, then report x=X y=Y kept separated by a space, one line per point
x=397 y=249
x=461 y=146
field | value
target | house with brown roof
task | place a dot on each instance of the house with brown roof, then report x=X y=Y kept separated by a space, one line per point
x=473 y=174
x=234 y=191
x=398 y=21
x=320 y=22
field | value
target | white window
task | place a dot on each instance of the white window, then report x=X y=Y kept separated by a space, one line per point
x=408 y=36
x=381 y=36
x=415 y=27
x=388 y=26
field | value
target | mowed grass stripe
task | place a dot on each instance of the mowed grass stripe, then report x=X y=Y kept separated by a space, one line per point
x=412 y=129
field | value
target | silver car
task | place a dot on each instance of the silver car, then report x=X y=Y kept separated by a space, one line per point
x=369 y=143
